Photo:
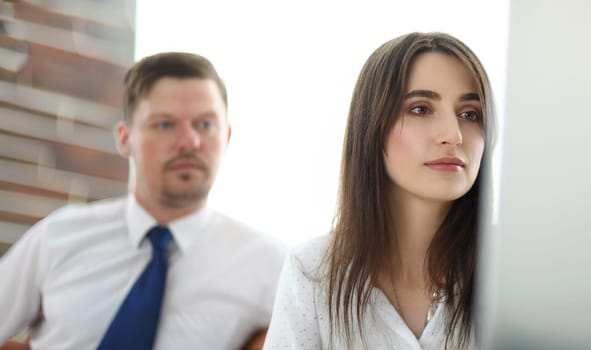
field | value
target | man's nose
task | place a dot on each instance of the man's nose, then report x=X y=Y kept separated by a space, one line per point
x=189 y=138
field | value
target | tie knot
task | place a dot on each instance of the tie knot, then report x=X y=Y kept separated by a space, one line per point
x=160 y=237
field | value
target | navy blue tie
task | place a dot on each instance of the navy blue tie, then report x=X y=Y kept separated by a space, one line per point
x=136 y=323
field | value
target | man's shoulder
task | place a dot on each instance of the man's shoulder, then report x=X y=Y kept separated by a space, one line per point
x=228 y=223
x=233 y=226
x=104 y=210
x=235 y=230
x=68 y=228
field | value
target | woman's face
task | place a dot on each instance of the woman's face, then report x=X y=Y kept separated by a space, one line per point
x=434 y=149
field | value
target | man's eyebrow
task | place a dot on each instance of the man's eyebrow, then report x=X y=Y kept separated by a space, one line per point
x=423 y=93
x=159 y=115
x=207 y=114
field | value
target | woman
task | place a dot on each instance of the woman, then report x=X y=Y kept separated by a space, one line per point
x=397 y=271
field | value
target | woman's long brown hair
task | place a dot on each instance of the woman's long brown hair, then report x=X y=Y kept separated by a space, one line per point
x=360 y=242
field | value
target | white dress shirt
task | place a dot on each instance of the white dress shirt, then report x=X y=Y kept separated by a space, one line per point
x=77 y=265
x=300 y=315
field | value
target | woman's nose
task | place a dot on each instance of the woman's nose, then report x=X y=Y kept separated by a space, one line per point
x=450 y=132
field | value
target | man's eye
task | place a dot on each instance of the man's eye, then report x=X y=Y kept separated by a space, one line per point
x=164 y=125
x=470 y=115
x=204 y=125
x=419 y=110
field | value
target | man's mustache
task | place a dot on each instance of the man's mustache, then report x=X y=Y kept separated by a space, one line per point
x=186 y=157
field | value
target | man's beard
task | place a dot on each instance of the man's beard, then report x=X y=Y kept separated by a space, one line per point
x=174 y=198
x=179 y=198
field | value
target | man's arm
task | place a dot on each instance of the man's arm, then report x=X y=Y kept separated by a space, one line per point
x=20 y=281
x=18 y=343
x=255 y=342
x=12 y=345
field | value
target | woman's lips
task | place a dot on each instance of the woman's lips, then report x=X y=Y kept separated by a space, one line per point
x=448 y=164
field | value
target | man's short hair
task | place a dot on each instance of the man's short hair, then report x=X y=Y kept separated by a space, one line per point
x=142 y=76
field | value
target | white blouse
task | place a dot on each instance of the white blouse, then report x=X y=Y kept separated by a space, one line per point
x=300 y=314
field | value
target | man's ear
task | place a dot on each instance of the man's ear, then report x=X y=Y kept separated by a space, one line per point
x=122 y=134
x=229 y=133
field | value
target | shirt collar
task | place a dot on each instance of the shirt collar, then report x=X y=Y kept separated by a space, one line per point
x=184 y=230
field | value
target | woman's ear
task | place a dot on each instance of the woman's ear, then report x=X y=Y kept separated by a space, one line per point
x=122 y=135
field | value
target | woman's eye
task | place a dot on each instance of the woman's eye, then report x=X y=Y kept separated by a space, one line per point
x=470 y=115
x=419 y=110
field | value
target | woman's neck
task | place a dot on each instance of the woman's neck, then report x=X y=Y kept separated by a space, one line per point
x=405 y=282
x=416 y=221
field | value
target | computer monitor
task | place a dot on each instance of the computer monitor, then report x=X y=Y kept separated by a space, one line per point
x=534 y=287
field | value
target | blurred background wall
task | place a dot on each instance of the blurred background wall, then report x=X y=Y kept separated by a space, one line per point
x=61 y=69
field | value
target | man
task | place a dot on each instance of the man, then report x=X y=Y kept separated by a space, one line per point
x=78 y=271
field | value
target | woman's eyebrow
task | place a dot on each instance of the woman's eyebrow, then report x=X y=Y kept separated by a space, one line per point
x=423 y=93
x=472 y=96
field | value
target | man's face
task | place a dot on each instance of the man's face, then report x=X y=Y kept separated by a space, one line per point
x=176 y=138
